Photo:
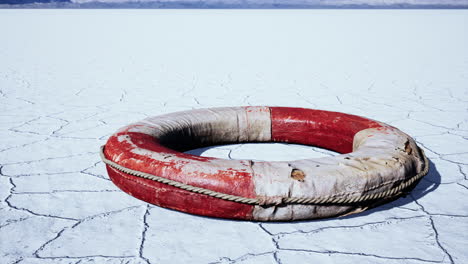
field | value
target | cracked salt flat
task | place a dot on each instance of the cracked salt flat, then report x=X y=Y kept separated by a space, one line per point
x=70 y=78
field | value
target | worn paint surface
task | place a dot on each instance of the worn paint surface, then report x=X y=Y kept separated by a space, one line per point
x=325 y=129
x=380 y=158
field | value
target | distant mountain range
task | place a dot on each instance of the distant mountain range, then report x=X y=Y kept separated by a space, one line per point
x=400 y=4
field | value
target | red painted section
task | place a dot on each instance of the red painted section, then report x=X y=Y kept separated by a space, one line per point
x=236 y=179
x=325 y=129
x=174 y=198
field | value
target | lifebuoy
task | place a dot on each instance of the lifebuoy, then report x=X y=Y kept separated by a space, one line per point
x=378 y=163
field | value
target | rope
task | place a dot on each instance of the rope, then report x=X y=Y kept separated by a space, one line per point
x=344 y=199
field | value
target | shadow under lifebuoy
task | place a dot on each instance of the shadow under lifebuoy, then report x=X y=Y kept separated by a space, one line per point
x=427 y=184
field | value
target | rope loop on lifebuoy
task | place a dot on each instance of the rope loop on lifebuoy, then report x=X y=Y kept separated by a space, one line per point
x=274 y=201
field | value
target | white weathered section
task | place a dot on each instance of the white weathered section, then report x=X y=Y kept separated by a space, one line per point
x=214 y=125
x=380 y=159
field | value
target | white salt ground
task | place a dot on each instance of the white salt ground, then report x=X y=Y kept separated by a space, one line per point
x=70 y=78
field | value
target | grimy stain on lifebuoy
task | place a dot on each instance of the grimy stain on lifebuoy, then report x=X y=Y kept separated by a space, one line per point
x=375 y=158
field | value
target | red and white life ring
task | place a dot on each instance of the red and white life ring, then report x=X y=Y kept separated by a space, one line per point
x=378 y=163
